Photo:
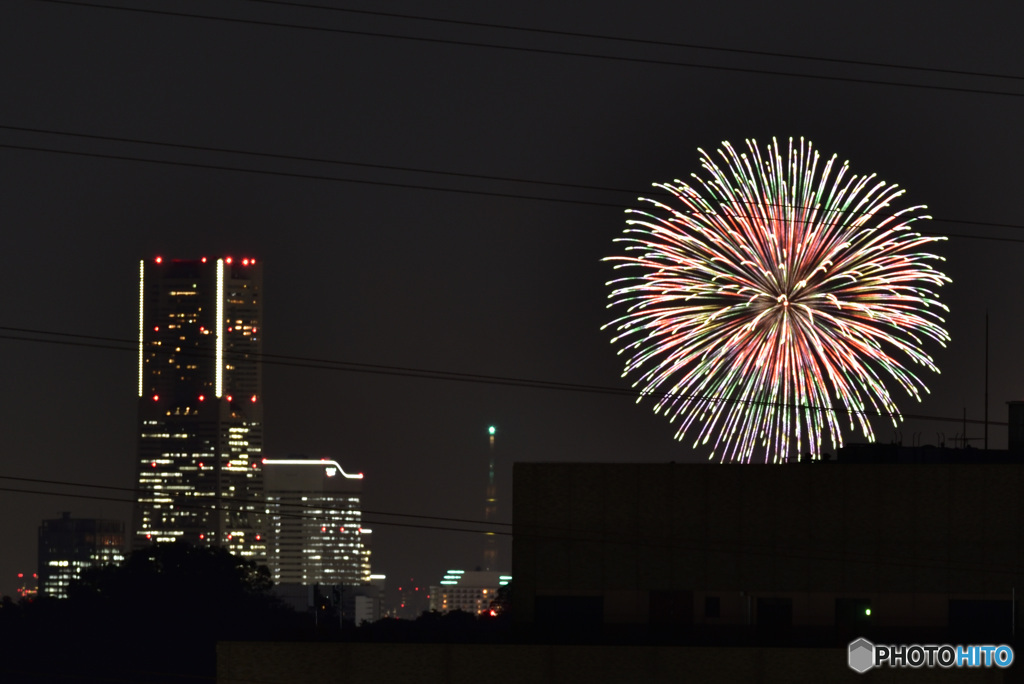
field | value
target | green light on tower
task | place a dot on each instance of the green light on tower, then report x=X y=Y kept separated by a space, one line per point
x=491 y=430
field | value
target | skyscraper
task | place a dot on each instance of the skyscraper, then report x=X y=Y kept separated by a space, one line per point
x=314 y=526
x=200 y=403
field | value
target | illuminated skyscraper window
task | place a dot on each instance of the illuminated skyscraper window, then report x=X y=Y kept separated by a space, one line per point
x=471 y=592
x=314 y=523
x=67 y=546
x=200 y=404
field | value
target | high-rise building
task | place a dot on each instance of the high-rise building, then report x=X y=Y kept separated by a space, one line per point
x=314 y=523
x=67 y=546
x=200 y=404
x=471 y=592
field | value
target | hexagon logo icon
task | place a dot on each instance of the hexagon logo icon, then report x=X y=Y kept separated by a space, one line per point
x=862 y=655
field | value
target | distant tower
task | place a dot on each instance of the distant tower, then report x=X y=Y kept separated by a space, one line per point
x=490 y=509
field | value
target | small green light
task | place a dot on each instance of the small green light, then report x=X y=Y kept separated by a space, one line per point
x=490 y=430
x=867 y=611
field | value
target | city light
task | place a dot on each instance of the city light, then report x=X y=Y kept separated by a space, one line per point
x=219 y=354
x=142 y=280
x=323 y=462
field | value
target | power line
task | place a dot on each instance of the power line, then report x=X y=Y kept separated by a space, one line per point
x=544 y=51
x=316 y=160
x=414 y=186
x=546 y=533
x=308 y=176
x=136 y=490
x=223 y=505
x=121 y=344
x=642 y=41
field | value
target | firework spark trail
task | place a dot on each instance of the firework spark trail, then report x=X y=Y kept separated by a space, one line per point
x=772 y=295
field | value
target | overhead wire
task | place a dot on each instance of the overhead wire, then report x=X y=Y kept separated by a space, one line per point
x=545 y=532
x=403 y=185
x=225 y=505
x=122 y=344
x=137 y=490
x=637 y=41
x=534 y=50
x=305 y=176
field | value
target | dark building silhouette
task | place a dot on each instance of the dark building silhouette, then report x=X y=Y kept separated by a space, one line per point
x=67 y=546
x=883 y=540
x=200 y=412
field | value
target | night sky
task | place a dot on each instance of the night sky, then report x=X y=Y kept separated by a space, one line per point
x=371 y=272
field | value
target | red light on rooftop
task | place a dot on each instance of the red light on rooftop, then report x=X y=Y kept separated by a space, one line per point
x=203 y=260
x=245 y=262
x=20 y=575
x=258 y=537
x=159 y=260
x=253 y=399
x=227 y=260
x=156 y=328
x=202 y=397
x=202 y=536
x=156 y=397
x=229 y=398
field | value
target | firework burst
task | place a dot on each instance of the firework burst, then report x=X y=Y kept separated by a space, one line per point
x=772 y=299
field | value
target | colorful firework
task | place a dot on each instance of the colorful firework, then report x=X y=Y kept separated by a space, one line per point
x=771 y=299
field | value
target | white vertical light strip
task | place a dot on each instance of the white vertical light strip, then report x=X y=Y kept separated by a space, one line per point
x=142 y=295
x=219 y=373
